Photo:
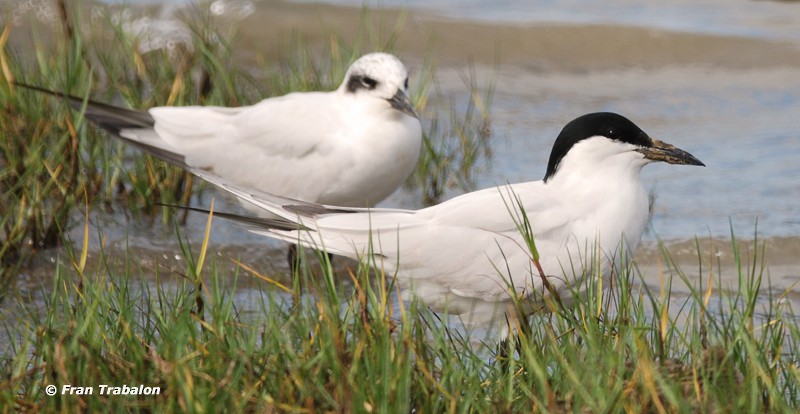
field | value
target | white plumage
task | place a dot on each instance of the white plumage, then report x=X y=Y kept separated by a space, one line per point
x=347 y=147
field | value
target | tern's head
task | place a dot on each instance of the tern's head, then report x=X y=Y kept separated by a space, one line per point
x=382 y=76
x=602 y=137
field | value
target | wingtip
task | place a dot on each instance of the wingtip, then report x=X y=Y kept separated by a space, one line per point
x=253 y=221
x=109 y=117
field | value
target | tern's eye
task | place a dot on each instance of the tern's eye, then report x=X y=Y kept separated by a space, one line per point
x=405 y=85
x=368 y=82
x=357 y=82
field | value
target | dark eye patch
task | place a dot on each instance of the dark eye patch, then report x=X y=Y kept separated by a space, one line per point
x=361 y=82
x=405 y=85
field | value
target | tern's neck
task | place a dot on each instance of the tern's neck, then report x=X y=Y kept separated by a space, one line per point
x=608 y=196
x=595 y=176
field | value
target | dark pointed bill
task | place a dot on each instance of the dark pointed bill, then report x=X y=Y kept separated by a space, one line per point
x=402 y=103
x=661 y=151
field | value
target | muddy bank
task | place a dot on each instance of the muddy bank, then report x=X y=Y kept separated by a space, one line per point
x=774 y=258
x=540 y=47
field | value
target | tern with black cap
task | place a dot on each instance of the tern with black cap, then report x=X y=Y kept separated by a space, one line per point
x=468 y=255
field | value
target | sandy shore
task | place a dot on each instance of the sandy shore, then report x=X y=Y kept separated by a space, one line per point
x=541 y=48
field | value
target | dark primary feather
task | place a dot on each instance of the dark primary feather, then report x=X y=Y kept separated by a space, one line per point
x=257 y=222
x=311 y=210
x=115 y=119
x=301 y=208
x=111 y=118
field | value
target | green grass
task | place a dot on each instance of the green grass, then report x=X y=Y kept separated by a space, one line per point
x=346 y=346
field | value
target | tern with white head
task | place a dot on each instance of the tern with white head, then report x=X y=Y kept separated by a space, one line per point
x=350 y=147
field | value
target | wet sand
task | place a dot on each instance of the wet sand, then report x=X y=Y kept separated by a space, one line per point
x=541 y=48
x=775 y=258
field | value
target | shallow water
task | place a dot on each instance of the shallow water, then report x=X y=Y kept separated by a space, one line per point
x=743 y=125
